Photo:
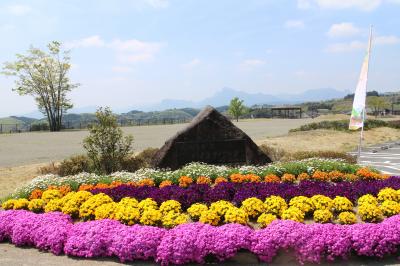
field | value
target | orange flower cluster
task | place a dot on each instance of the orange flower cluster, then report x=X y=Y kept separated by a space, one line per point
x=320 y=176
x=335 y=176
x=36 y=194
x=63 y=189
x=303 y=176
x=366 y=173
x=288 y=178
x=239 y=178
x=165 y=183
x=271 y=178
x=203 y=180
x=185 y=181
x=220 y=179
x=146 y=182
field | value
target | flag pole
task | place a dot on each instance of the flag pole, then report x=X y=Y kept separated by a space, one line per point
x=364 y=110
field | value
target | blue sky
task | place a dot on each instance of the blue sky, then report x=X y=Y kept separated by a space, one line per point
x=136 y=52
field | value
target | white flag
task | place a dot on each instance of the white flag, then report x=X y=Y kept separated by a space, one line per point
x=358 y=111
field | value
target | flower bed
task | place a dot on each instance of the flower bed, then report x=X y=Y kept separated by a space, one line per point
x=311 y=169
x=195 y=242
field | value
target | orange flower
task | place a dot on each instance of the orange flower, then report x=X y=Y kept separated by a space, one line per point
x=203 y=180
x=101 y=186
x=115 y=184
x=220 y=179
x=146 y=182
x=185 y=181
x=252 y=178
x=350 y=177
x=271 y=178
x=335 y=176
x=132 y=184
x=51 y=187
x=237 y=178
x=367 y=174
x=320 y=176
x=36 y=194
x=303 y=176
x=85 y=187
x=288 y=178
x=165 y=183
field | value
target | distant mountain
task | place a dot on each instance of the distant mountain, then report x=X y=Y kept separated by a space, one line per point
x=224 y=96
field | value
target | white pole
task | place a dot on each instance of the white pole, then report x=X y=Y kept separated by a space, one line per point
x=363 y=113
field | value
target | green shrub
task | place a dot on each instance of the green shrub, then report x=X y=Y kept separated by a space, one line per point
x=74 y=165
x=106 y=146
x=320 y=154
x=142 y=160
x=343 y=125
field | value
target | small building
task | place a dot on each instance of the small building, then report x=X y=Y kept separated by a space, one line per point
x=286 y=112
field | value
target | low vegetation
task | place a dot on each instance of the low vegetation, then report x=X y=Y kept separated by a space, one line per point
x=342 y=125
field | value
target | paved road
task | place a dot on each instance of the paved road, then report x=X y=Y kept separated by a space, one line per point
x=384 y=157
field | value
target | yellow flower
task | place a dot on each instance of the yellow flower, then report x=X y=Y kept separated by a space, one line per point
x=147 y=204
x=390 y=208
x=73 y=205
x=127 y=214
x=275 y=205
x=51 y=194
x=294 y=214
x=21 y=204
x=388 y=194
x=150 y=217
x=370 y=212
x=303 y=203
x=368 y=199
x=106 y=211
x=129 y=201
x=9 y=204
x=172 y=219
x=221 y=206
x=54 y=205
x=253 y=207
x=323 y=216
x=347 y=218
x=210 y=217
x=321 y=202
x=236 y=215
x=196 y=209
x=341 y=204
x=170 y=206
x=36 y=205
x=265 y=219
x=88 y=208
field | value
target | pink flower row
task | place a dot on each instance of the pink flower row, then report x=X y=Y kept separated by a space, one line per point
x=193 y=242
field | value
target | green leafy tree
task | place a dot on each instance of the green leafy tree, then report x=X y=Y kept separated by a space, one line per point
x=378 y=104
x=106 y=146
x=44 y=75
x=236 y=108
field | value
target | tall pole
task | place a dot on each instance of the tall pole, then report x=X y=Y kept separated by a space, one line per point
x=363 y=113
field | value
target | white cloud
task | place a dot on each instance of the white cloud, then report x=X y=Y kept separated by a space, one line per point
x=158 y=3
x=386 y=40
x=344 y=29
x=192 y=63
x=294 y=24
x=357 y=45
x=346 y=47
x=127 y=51
x=122 y=69
x=18 y=10
x=364 y=5
x=252 y=63
x=91 y=41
